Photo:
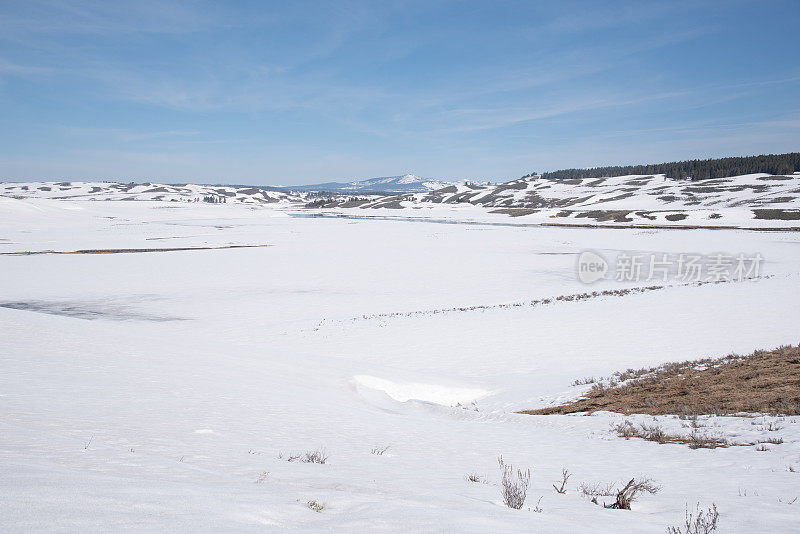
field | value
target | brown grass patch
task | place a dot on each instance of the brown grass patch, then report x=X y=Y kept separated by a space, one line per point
x=761 y=382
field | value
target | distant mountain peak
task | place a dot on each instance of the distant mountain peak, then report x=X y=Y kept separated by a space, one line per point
x=409 y=179
x=406 y=183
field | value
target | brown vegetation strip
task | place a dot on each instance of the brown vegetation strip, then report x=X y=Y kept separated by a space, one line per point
x=575 y=297
x=761 y=382
x=485 y=307
x=125 y=250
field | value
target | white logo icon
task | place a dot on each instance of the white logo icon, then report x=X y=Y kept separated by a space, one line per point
x=591 y=267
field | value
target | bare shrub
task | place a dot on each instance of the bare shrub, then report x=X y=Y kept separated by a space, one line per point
x=315 y=457
x=655 y=433
x=473 y=406
x=632 y=490
x=310 y=457
x=622 y=497
x=696 y=440
x=515 y=484
x=596 y=490
x=538 y=509
x=693 y=422
x=316 y=506
x=584 y=381
x=475 y=477
x=774 y=441
x=564 y=478
x=380 y=450
x=762 y=448
x=598 y=389
x=626 y=429
x=700 y=522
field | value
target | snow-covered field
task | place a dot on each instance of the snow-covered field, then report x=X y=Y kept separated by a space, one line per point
x=164 y=391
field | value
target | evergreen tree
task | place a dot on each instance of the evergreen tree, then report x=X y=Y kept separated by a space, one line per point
x=695 y=169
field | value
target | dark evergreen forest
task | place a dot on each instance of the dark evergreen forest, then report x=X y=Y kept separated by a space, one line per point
x=695 y=169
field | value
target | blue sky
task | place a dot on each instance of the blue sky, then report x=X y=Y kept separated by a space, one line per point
x=304 y=92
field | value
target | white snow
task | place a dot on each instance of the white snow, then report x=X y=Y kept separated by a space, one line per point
x=435 y=393
x=153 y=391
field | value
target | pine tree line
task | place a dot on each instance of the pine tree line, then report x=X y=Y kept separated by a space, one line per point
x=695 y=169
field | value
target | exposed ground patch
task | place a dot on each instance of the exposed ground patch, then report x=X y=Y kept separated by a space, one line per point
x=606 y=215
x=515 y=212
x=777 y=214
x=169 y=237
x=126 y=250
x=761 y=382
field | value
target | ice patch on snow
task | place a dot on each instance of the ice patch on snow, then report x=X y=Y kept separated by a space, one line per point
x=88 y=310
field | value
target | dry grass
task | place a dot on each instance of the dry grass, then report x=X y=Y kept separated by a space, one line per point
x=695 y=440
x=761 y=382
x=379 y=451
x=315 y=457
x=515 y=485
x=699 y=522
x=318 y=456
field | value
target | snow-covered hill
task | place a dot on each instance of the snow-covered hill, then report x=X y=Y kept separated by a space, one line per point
x=633 y=199
x=633 y=192
x=753 y=200
x=145 y=191
x=408 y=183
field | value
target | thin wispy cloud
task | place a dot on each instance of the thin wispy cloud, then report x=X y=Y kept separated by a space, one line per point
x=591 y=16
x=126 y=135
x=15 y=68
x=483 y=119
x=457 y=90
